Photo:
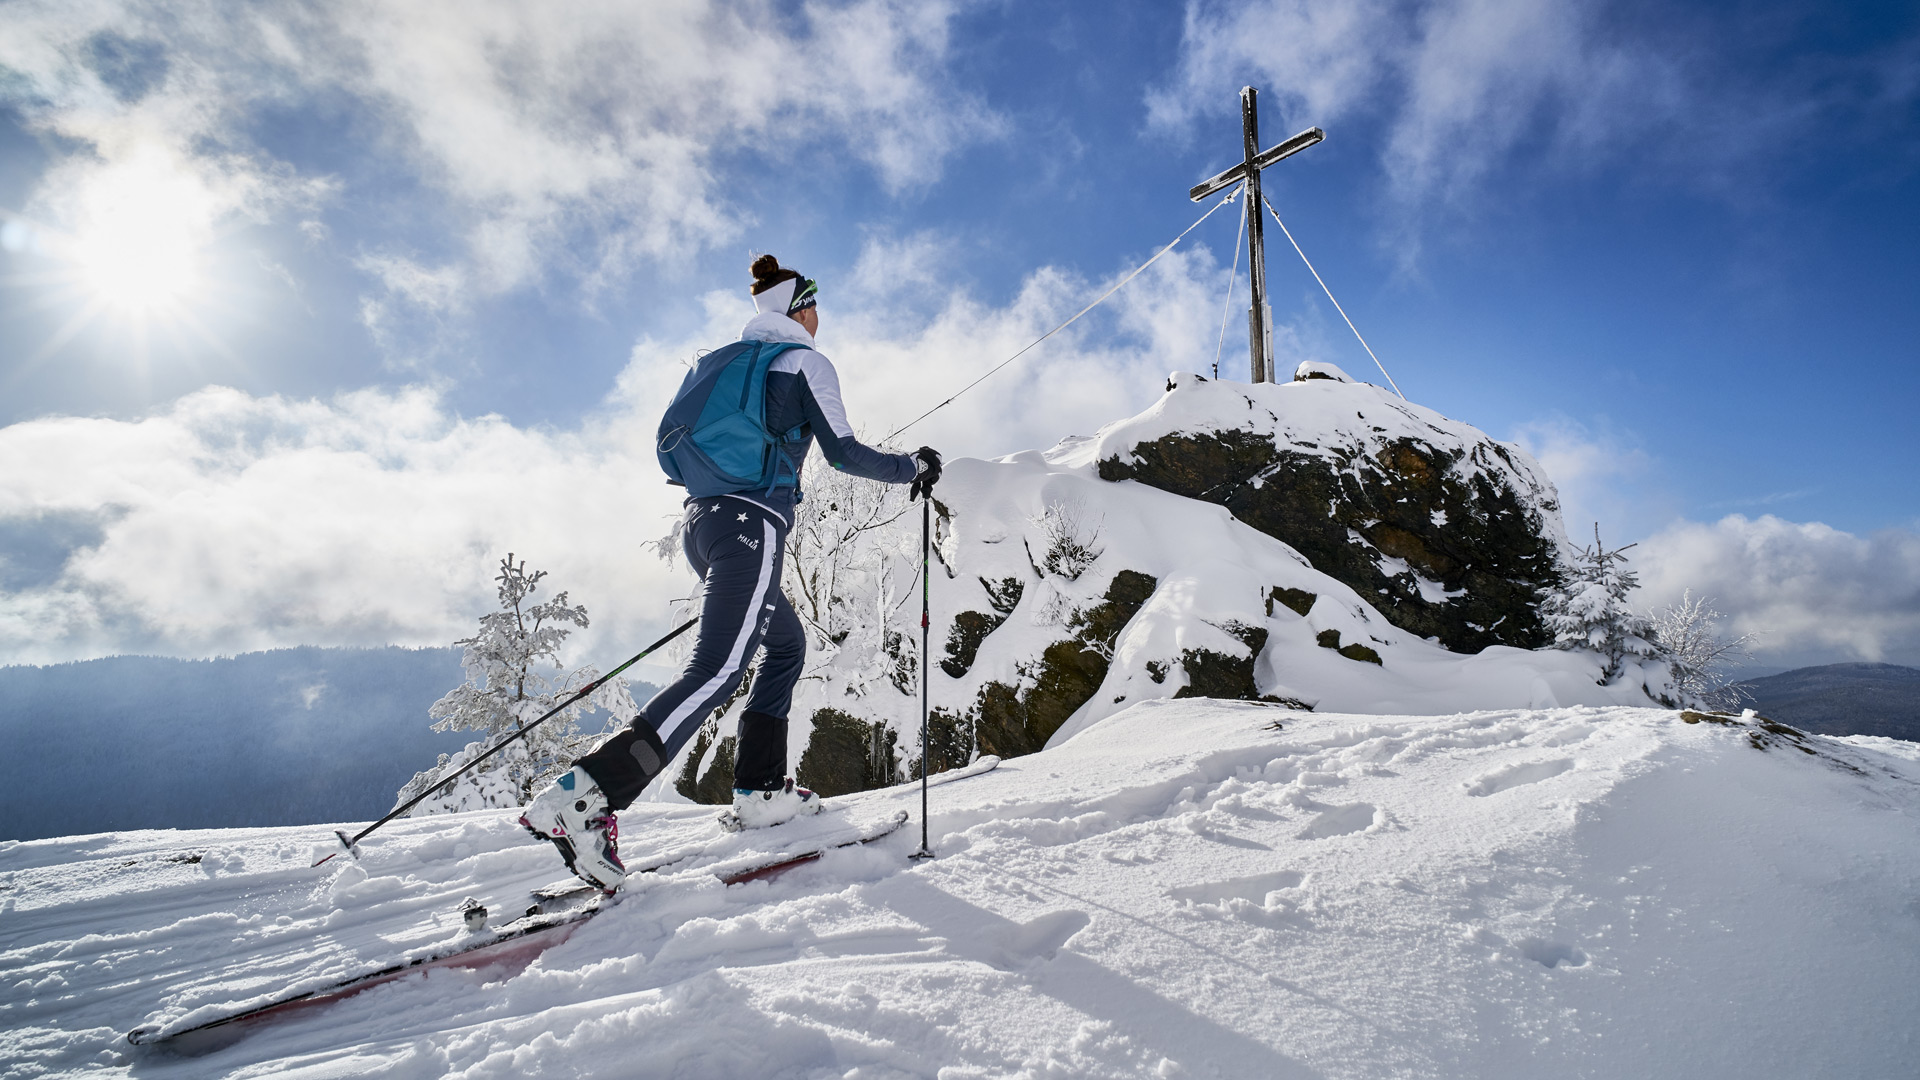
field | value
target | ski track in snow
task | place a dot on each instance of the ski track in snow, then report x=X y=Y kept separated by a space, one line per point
x=1178 y=890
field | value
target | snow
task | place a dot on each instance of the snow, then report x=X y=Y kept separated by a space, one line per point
x=1180 y=889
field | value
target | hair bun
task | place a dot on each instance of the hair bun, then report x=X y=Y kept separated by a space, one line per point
x=764 y=267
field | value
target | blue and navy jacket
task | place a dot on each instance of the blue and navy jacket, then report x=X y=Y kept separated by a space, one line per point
x=803 y=391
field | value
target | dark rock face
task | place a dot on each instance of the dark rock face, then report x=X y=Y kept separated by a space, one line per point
x=847 y=754
x=1009 y=721
x=1330 y=639
x=1217 y=675
x=715 y=786
x=970 y=628
x=1459 y=528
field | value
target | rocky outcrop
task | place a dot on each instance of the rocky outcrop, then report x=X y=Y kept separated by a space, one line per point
x=1450 y=534
x=847 y=754
x=1014 y=719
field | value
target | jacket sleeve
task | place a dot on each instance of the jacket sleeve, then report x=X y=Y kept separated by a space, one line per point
x=827 y=416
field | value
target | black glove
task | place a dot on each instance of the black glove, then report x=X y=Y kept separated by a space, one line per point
x=928 y=460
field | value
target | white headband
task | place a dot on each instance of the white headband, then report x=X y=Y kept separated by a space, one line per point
x=776 y=298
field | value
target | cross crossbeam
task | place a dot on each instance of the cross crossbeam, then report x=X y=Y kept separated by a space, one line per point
x=1259 y=331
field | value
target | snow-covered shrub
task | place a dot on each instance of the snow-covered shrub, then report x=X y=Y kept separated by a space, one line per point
x=514 y=676
x=1589 y=610
x=1072 y=540
x=1699 y=657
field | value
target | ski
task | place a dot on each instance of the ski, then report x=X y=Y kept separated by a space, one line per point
x=528 y=935
x=557 y=911
x=552 y=897
x=985 y=764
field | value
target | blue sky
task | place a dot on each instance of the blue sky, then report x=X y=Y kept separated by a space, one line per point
x=424 y=246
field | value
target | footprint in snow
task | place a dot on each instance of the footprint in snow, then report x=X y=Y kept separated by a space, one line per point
x=1552 y=954
x=1014 y=946
x=1339 y=821
x=1252 y=889
x=1513 y=776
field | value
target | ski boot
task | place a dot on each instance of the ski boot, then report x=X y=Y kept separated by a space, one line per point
x=572 y=812
x=753 y=809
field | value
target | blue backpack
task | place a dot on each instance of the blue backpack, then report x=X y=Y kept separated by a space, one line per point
x=714 y=438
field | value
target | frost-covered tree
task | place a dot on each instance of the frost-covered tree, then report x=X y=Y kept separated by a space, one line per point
x=1589 y=610
x=846 y=561
x=1700 y=657
x=514 y=676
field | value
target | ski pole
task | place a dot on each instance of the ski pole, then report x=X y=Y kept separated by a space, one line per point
x=348 y=842
x=926 y=543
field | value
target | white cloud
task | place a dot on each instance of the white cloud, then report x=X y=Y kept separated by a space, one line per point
x=228 y=522
x=233 y=522
x=1815 y=594
x=583 y=139
x=1603 y=476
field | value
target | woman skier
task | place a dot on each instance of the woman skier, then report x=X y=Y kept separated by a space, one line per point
x=734 y=536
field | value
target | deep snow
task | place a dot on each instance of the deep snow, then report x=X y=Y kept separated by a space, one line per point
x=1179 y=890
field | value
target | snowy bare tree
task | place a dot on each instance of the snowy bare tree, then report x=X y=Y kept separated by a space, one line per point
x=514 y=676
x=1589 y=610
x=1072 y=538
x=846 y=560
x=1687 y=633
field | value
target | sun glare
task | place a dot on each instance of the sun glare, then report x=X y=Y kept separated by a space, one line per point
x=138 y=252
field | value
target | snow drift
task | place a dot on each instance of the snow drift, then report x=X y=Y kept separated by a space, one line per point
x=1505 y=894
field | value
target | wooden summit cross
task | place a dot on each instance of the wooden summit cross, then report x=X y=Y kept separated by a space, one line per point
x=1259 y=315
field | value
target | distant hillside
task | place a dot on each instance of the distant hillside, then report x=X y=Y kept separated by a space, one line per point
x=287 y=737
x=1844 y=699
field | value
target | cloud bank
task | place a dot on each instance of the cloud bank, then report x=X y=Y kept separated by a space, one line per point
x=228 y=522
x=1815 y=594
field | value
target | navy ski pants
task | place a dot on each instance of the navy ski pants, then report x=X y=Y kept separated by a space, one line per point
x=737 y=548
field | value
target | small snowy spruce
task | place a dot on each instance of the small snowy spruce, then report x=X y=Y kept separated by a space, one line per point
x=514 y=676
x=1698 y=656
x=1589 y=610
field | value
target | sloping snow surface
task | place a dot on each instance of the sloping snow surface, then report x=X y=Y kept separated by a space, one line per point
x=1177 y=890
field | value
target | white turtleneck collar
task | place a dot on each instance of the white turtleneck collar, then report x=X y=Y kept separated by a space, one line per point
x=773 y=326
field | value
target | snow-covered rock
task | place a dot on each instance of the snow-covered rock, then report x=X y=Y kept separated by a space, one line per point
x=1071 y=598
x=1496 y=895
x=1449 y=533
x=1320 y=369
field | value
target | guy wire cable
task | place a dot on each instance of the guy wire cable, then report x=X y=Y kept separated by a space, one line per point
x=1226 y=305
x=1329 y=292
x=1069 y=322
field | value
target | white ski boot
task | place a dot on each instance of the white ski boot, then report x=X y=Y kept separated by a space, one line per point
x=759 y=809
x=572 y=812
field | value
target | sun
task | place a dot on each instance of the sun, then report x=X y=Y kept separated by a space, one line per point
x=138 y=253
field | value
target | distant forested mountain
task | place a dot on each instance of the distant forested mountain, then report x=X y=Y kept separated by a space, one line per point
x=1844 y=699
x=286 y=737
